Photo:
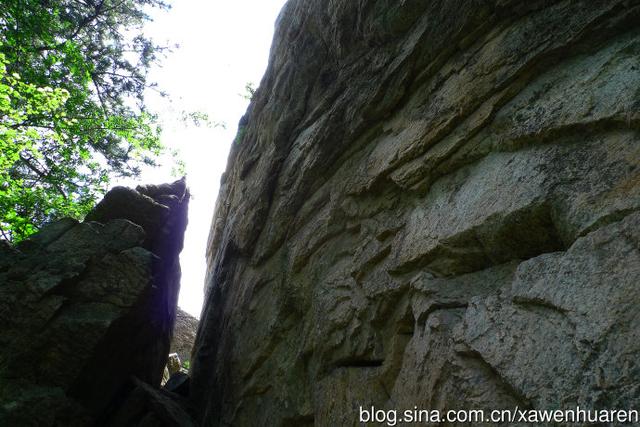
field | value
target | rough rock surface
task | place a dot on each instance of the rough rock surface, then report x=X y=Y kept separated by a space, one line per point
x=432 y=204
x=86 y=306
x=184 y=335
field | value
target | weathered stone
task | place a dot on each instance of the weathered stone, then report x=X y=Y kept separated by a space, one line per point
x=565 y=332
x=84 y=306
x=184 y=335
x=429 y=204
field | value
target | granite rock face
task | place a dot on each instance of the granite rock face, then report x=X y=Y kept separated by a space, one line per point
x=86 y=306
x=431 y=204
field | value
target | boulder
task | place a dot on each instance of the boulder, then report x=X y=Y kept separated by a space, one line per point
x=86 y=306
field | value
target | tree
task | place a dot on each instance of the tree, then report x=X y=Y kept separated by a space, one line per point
x=249 y=91
x=72 y=115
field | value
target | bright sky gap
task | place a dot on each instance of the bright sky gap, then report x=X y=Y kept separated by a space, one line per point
x=223 y=45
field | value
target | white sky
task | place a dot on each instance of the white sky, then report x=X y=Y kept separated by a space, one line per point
x=223 y=46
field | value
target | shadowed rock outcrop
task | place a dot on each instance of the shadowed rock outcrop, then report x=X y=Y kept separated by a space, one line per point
x=429 y=204
x=85 y=307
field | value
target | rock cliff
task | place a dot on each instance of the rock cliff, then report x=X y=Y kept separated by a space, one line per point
x=431 y=204
x=85 y=307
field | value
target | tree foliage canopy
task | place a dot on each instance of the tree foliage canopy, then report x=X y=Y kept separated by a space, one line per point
x=72 y=79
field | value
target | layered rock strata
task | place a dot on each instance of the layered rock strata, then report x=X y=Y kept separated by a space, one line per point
x=431 y=204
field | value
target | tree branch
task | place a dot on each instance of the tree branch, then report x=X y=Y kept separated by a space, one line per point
x=42 y=175
x=86 y=21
